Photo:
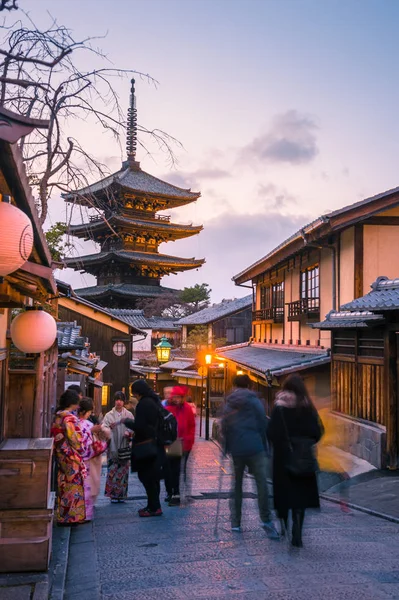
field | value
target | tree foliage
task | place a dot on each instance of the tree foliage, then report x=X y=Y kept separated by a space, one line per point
x=56 y=241
x=177 y=304
x=198 y=340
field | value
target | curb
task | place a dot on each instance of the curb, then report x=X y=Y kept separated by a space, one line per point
x=59 y=564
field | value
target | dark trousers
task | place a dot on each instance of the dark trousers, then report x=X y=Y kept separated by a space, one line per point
x=152 y=487
x=257 y=465
x=172 y=475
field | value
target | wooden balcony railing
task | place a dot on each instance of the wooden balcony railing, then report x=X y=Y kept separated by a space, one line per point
x=306 y=309
x=274 y=314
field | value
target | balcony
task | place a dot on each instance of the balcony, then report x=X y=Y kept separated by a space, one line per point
x=274 y=314
x=306 y=310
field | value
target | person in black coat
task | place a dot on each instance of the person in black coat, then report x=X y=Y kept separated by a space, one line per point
x=294 y=417
x=145 y=428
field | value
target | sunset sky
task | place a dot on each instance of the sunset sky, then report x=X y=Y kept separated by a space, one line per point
x=286 y=109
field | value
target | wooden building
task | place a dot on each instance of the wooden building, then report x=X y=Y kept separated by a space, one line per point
x=129 y=230
x=325 y=264
x=109 y=335
x=27 y=384
x=364 y=372
x=230 y=320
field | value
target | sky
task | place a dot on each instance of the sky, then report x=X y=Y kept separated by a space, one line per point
x=286 y=109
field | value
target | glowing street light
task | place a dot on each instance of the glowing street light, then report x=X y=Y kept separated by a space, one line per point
x=163 y=350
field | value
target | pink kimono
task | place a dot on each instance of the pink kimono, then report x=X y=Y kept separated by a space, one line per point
x=92 y=447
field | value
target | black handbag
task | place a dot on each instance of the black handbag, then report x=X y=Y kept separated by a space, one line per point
x=145 y=450
x=301 y=460
x=124 y=453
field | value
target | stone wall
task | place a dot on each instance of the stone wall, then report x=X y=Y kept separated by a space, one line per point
x=362 y=439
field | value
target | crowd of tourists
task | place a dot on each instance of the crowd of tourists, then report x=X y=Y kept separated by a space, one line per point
x=157 y=440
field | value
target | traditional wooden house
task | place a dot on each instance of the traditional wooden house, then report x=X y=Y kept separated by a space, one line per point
x=230 y=321
x=364 y=373
x=129 y=231
x=27 y=383
x=325 y=264
x=108 y=334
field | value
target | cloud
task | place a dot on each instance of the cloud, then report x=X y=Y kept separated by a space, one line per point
x=275 y=198
x=194 y=179
x=290 y=139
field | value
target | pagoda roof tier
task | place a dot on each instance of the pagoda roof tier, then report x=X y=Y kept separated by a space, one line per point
x=133 y=180
x=123 y=290
x=99 y=225
x=172 y=263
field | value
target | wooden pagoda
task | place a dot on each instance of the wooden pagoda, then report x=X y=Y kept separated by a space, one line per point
x=129 y=230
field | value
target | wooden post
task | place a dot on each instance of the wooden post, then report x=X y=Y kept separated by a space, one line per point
x=38 y=397
x=390 y=389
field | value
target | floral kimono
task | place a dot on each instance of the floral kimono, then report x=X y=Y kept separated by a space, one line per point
x=118 y=472
x=68 y=450
x=92 y=447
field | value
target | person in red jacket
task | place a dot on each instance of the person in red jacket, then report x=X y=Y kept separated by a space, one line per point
x=183 y=413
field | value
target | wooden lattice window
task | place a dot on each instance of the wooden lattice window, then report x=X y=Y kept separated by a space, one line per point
x=310 y=286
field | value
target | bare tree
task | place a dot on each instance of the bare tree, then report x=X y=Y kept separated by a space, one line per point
x=8 y=5
x=40 y=77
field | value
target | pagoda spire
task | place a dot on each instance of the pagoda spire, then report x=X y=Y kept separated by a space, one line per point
x=131 y=130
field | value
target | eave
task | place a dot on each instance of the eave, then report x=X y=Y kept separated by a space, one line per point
x=142 y=258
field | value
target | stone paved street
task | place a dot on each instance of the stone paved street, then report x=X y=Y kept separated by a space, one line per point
x=183 y=556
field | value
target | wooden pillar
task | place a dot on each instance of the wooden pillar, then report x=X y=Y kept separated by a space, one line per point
x=38 y=397
x=391 y=403
x=358 y=287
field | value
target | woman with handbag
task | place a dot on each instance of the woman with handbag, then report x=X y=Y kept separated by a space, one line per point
x=147 y=454
x=294 y=429
x=118 y=450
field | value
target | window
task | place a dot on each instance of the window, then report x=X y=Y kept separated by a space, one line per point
x=105 y=395
x=310 y=287
x=119 y=348
x=272 y=302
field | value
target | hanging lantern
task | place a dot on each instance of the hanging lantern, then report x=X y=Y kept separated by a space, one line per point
x=16 y=238
x=163 y=350
x=33 y=331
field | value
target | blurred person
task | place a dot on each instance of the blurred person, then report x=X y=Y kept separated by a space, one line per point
x=294 y=425
x=68 y=450
x=93 y=446
x=330 y=458
x=167 y=394
x=184 y=416
x=244 y=425
x=118 y=470
x=93 y=418
x=145 y=428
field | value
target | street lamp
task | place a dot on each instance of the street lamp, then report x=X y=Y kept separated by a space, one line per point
x=163 y=350
x=208 y=362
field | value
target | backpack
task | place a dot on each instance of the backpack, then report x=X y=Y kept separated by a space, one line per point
x=167 y=427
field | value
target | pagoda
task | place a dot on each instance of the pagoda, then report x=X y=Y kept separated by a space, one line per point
x=129 y=230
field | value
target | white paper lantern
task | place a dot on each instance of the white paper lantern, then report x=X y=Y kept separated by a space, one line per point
x=16 y=238
x=33 y=331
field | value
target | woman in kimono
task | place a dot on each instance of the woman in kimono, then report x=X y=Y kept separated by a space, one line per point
x=68 y=450
x=93 y=447
x=118 y=470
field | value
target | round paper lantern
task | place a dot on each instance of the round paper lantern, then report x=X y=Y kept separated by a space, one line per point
x=16 y=238
x=33 y=331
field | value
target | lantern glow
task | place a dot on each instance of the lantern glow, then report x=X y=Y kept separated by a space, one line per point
x=16 y=238
x=208 y=359
x=33 y=331
x=163 y=350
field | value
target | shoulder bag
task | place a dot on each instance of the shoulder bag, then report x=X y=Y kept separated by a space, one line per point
x=175 y=450
x=124 y=451
x=301 y=460
x=145 y=450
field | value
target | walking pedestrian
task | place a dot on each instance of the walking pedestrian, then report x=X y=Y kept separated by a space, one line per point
x=184 y=416
x=68 y=450
x=294 y=429
x=244 y=425
x=147 y=454
x=93 y=447
x=116 y=485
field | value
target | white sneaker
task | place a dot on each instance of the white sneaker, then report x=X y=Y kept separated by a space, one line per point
x=238 y=529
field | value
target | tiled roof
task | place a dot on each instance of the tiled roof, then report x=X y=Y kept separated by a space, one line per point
x=137 y=181
x=69 y=336
x=217 y=311
x=349 y=320
x=133 y=317
x=124 y=289
x=384 y=296
x=187 y=373
x=178 y=364
x=163 y=323
x=156 y=224
x=270 y=361
x=145 y=258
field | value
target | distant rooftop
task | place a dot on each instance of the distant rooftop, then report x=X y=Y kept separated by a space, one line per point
x=136 y=318
x=217 y=311
x=384 y=296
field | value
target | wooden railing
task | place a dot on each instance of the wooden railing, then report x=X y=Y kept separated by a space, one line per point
x=135 y=214
x=306 y=308
x=274 y=313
